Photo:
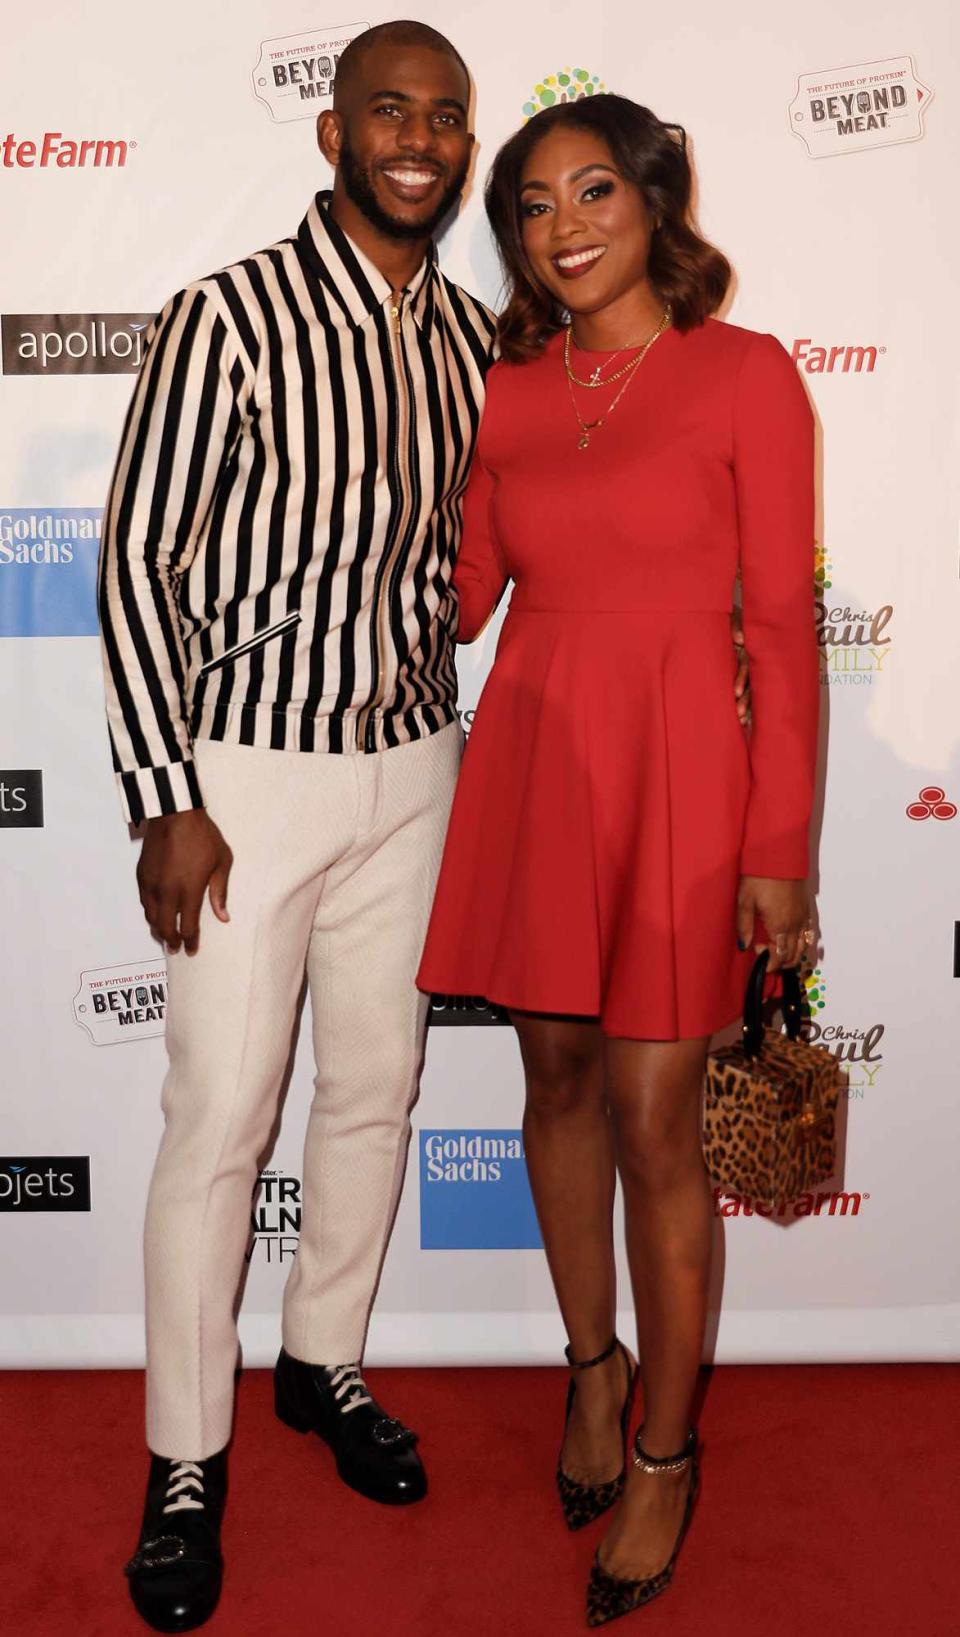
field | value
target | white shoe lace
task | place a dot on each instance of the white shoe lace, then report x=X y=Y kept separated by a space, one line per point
x=350 y=1389
x=184 y=1476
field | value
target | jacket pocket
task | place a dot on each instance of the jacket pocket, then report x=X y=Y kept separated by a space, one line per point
x=250 y=646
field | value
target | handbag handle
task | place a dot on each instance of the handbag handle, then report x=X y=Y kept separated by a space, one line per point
x=792 y=1004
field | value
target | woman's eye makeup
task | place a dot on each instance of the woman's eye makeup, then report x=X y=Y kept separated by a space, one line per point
x=596 y=190
x=592 y=194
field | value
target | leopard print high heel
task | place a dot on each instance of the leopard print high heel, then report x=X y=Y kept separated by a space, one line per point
x=608 y=1597
x=582 y=1503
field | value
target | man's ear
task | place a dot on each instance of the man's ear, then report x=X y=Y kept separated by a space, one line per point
x=330 y=135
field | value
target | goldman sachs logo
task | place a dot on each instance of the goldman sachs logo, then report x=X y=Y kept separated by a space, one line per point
x=73 y=343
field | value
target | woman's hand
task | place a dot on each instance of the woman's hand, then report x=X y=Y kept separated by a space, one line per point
x=783 y=907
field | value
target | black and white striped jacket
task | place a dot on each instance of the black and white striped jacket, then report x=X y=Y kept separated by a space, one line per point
x=285 y=513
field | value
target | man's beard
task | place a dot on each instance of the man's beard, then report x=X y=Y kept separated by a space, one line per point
x=359 y=189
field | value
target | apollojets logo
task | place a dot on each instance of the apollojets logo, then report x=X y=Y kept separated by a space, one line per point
x=566 y=85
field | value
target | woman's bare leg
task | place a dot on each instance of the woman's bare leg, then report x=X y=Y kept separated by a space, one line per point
x=568 y=1140
x=654 y=1090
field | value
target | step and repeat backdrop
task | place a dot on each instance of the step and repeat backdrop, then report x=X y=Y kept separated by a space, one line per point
x=142 y=148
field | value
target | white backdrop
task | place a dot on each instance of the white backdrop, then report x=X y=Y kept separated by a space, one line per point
x=840 y=224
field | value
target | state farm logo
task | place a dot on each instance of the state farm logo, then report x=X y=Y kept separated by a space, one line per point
x=836 y=360
x=65 y=153
x=866 y=105
x=294 y=76
x=72 y=343
x=118 y=1003
x=45 y=1182
x=931 y=803
x=840 y=1203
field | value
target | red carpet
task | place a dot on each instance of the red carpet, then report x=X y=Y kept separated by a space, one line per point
x=830 y=1506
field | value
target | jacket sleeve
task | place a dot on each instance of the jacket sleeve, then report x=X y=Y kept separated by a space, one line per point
x=480 y=574
x=184 y=417
x=773 y=451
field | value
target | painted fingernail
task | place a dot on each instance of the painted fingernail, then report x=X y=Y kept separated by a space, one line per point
x=742 y=946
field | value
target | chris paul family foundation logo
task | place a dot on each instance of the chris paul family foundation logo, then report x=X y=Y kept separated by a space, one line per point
x=855 y=643
x=115 y=1004
x=474 y=1192
x=566 y=85
x=73 y=343
x=856 y=1047
x=294 y=76
x=862 y=105
x=275 y=1218
x=48 y=571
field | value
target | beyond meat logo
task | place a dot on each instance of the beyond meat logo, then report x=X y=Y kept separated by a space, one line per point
x=294 y=76
x=867 y=105
x=120 y=1003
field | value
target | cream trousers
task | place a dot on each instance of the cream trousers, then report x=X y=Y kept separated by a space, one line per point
x=335 y=861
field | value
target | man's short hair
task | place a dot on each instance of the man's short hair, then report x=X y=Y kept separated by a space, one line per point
x=403 y=32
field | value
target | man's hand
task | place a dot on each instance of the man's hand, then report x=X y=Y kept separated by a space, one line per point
x=783 y=908
x=741 y=682
x=182 y=855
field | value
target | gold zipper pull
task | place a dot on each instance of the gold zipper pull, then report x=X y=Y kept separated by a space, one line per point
x=397 y=310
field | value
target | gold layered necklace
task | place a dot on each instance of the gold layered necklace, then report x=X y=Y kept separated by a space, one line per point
x=627 y=370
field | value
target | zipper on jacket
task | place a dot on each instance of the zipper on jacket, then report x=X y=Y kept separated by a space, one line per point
x=250 y=645
x=366 y=727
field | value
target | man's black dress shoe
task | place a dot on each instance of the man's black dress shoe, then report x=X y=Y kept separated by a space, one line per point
x=177 y=1570
x=375 y=1454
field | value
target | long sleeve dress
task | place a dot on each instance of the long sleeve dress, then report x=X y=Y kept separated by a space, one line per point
x=609 y=799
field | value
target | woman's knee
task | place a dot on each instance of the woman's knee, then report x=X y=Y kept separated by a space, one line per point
x=563 y=1075
x=657 y=1137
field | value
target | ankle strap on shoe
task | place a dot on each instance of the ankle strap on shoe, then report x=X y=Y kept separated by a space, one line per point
x=588 y=1363
x=656 y=1465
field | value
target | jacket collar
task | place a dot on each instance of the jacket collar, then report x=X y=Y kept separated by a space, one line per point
x=356 y=285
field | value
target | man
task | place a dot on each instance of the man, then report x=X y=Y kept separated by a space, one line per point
x=276 y=616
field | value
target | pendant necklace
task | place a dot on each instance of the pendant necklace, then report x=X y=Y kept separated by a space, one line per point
x=628 y=371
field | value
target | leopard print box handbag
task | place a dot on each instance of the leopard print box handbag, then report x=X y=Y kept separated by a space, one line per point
x=770 y=1104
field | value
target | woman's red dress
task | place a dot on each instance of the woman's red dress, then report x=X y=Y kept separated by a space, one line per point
x=609 y=799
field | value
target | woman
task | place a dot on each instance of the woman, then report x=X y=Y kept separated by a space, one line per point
x=616 y=842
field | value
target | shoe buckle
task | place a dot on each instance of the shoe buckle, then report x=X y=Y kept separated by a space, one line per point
x=157 y=1554
x=390 y=1432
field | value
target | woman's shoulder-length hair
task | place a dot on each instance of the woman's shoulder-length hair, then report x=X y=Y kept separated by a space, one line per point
x=685 y=270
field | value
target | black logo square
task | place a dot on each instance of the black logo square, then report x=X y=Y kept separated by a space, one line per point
x=21 y=799
x=45 y=1182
